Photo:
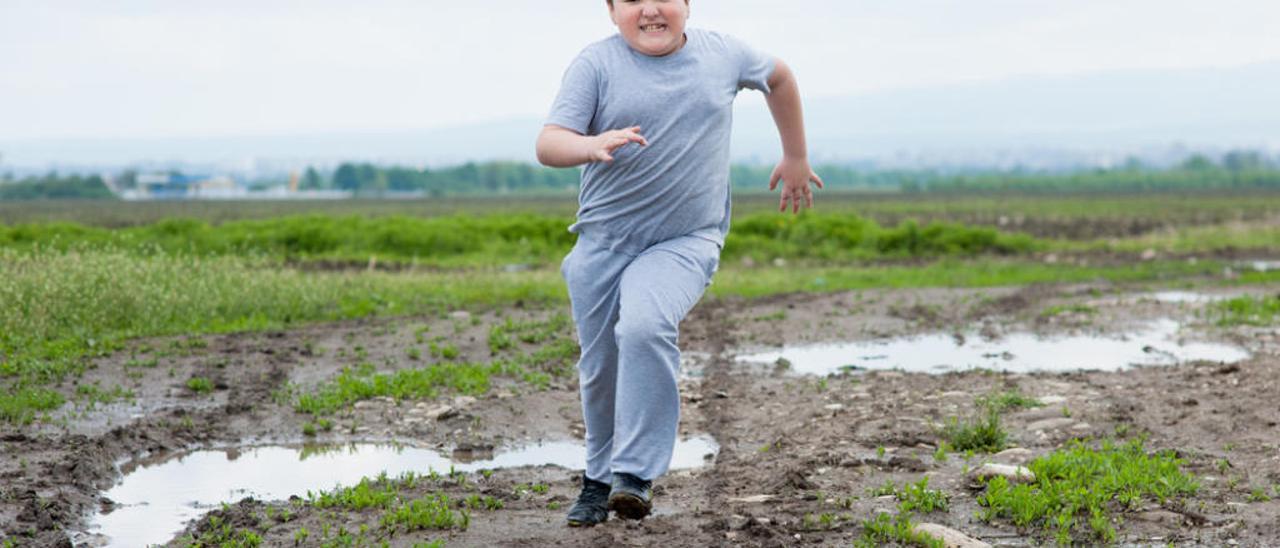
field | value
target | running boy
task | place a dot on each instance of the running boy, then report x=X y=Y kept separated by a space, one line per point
x=648 y=111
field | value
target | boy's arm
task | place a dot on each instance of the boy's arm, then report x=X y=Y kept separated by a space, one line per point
x=563 y=147
x=793 y=170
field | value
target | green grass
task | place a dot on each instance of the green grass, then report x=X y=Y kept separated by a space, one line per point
x=1007 y=400
x=74 y=292
x=217 y=532
x=898 y=529
x=1060 y=309
x=1247 y=310
x=63 y=309
x=982 y=433
x=554 y=358
x=200 y=385
x=1078 y=489
x=917 y=497
x=428 y=512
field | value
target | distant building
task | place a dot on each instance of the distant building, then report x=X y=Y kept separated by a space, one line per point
x=176 y=186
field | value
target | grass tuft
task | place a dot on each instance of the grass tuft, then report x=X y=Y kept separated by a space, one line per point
x=982 y=433
x=1077 y=488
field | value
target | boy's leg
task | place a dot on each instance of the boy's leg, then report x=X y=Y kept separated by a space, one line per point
x=657 y=289
x=592 y=274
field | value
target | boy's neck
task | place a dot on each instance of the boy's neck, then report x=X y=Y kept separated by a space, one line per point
x=684 y=40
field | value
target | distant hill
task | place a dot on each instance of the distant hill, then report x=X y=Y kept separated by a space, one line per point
x=1213 y=108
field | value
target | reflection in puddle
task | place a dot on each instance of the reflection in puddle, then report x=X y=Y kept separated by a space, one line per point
x=156 y=499
x=1018 y=353
x=1185 y=297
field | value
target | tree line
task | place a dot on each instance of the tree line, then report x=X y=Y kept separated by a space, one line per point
x=1234 y=170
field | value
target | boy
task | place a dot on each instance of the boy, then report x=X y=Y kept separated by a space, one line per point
x=648 y=111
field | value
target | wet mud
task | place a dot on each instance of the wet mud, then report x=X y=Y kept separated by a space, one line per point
x=791 y=447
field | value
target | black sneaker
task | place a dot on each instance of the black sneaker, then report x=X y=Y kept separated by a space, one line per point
x=632 y=497
x=592 y=506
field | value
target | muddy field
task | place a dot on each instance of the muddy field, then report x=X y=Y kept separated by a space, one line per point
x=799 y=456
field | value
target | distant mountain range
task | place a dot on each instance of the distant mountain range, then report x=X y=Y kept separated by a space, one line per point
x=1017 y=119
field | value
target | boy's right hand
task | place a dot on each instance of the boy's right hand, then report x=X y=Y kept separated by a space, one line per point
x=600 y=147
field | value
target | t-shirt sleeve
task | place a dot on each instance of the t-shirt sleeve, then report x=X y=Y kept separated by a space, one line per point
x=575 y=105
x=754 y=67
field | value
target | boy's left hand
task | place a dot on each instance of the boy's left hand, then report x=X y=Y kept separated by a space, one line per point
x=795 y=175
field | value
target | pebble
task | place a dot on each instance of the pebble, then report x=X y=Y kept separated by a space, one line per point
x=951 y=538
x=833 y=406
x=1015 y=474
x=460 y=315
x=1016 y=455
x=441 y=412
x=1052 y=400
x=755 y=499
x=1050 y=424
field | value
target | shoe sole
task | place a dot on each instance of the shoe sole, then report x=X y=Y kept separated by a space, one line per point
x=573 y=523
x=629 y=506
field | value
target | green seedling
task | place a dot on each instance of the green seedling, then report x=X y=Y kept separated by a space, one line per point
x=886 y=529
x=429 y=512
x=917 y=497
x=1259 y=494
x=414 y=353
x=200 y=385
x=940 y=455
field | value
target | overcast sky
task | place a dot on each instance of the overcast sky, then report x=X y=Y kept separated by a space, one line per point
x=177 y=68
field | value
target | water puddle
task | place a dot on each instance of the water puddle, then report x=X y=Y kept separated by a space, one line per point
x=1178 y=297
x=1157 y=344
x=1263 y=266
x=159 y=496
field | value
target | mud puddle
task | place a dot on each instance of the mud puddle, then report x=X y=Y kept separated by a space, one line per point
x=159 y=495
x=1155 y=345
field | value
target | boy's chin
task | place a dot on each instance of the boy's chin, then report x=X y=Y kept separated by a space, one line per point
x=654 y=47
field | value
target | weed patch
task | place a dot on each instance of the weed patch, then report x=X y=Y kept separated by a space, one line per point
x=1247 y=310
x=1078 y=488
x=899 y=529
x=982 y=433
x=1001 y=402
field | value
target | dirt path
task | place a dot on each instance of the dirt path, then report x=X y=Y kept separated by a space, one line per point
x=798 y=455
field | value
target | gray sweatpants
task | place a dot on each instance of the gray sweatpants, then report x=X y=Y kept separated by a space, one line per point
x=628 y=310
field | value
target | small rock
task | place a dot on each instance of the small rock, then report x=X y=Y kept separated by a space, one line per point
x=755 y=499
x=1052 y=400
x=363 y=404
x=764 y=521
x=1163 y=517
x=954 y=394
x=441 y=412
x=833 y=406
x=1050 y=424
x=1015 y=455
x=460 y=315
x=1080 y=427
x=463 y=401
x=951 y=538
x=1148 y=254
x=1015 y=474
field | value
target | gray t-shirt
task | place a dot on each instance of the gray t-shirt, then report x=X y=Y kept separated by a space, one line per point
x=679 y=184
